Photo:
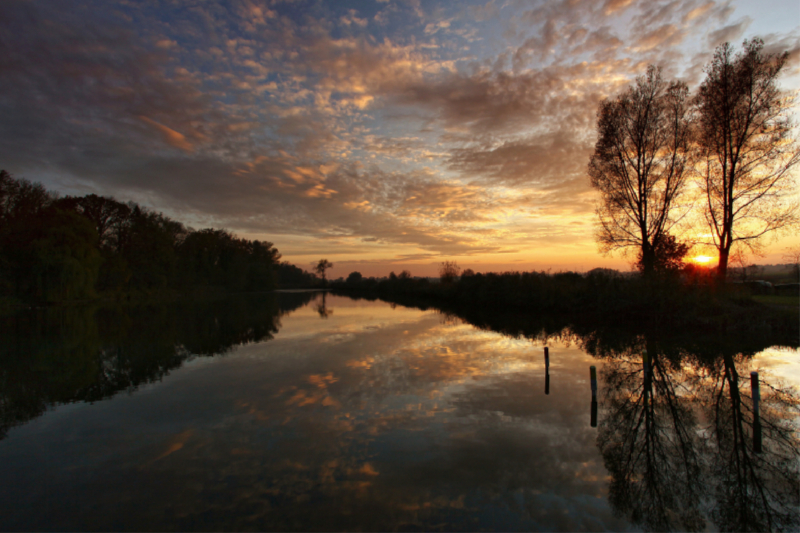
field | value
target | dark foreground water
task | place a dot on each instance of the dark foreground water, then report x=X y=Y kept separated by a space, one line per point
x=298 y=413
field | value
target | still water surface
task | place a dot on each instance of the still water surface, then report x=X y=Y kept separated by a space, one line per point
x=298 y=413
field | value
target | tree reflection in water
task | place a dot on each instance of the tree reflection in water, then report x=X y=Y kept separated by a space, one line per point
x=752 y=491
x=677 y=440
x=675 y=436
x=54 y=356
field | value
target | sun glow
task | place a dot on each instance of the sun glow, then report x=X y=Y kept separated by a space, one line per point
x=703 y=259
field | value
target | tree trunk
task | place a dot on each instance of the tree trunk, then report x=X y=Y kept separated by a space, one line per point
x=722 y=267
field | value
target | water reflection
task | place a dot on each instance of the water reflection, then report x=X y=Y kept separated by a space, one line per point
x=61 y=355
x=384 y=418
x=677 y=439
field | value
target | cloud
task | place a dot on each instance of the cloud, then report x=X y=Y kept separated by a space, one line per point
x=172 y=137
x=545 y=161
x=729 y=33
x=425 y=132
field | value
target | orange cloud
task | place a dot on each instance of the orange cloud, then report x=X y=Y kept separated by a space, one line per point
x=170 y=136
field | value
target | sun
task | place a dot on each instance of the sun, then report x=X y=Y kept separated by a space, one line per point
x=703 y=259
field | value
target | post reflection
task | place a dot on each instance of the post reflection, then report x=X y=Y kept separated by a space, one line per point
x=546 y=370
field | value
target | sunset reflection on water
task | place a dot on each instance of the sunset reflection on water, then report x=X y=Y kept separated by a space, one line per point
x=374 y=417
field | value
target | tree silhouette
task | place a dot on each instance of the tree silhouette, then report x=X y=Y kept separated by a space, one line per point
x=320 y=267
x=448 y=271
x=640 y=164
x=745 y=138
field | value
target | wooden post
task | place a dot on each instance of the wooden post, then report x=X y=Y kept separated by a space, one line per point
x=756 y=393
x=593 y=376
x=546 y=357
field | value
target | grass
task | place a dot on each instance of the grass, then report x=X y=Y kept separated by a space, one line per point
x=792 y=301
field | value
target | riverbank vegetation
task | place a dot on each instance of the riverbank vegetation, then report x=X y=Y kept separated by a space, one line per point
x=66 y=249
x=692 y=297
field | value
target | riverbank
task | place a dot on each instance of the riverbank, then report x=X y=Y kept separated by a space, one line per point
x=598 y=297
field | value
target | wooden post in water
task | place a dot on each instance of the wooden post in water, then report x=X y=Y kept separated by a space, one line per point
x=593 y=375
x=546 y=370
x=756 y=393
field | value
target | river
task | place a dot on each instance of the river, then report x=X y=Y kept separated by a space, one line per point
x=309 y=411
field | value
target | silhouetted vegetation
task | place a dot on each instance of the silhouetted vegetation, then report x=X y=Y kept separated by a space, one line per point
x=78 y=248
x=320 y=267
x=746 y=140
x=640 y=164
x=689 y=297
x=736 y=135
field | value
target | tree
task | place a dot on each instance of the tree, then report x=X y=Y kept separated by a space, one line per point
x=668 y=254
x=320 y=267
x=745 y=139
x=448 y=271
x=792 y=256
x=640 y=164
x=354 y=278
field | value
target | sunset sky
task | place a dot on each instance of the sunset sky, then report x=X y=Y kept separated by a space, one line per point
x=380 y=134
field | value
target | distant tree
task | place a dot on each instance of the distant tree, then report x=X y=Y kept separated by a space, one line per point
x=640 y=164
x=448 y=271
x=404 y=275
x=792 y=256
x=746 y=140
x=320 y=267
x=20 y=199
x=354 y=278
x=467 y=273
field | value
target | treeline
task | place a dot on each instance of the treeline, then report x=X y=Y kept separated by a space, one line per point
x=55 y=249
x=690 y=298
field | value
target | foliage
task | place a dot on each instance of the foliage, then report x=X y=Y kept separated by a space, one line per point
x=667 y=255
x=60 y=249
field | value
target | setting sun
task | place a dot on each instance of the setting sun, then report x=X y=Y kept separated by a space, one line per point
x=703 y=259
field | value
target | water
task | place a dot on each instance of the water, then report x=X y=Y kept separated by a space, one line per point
x=298 y=413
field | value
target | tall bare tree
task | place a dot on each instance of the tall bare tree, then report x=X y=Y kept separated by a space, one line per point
x=746 y=140
x=640 y=165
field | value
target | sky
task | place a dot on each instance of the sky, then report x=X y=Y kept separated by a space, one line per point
x=382 y=135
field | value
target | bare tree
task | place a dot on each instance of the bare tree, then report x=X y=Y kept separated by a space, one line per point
x=745 y=138
x=320 y=267
x=640 y=165
x=448 y=271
